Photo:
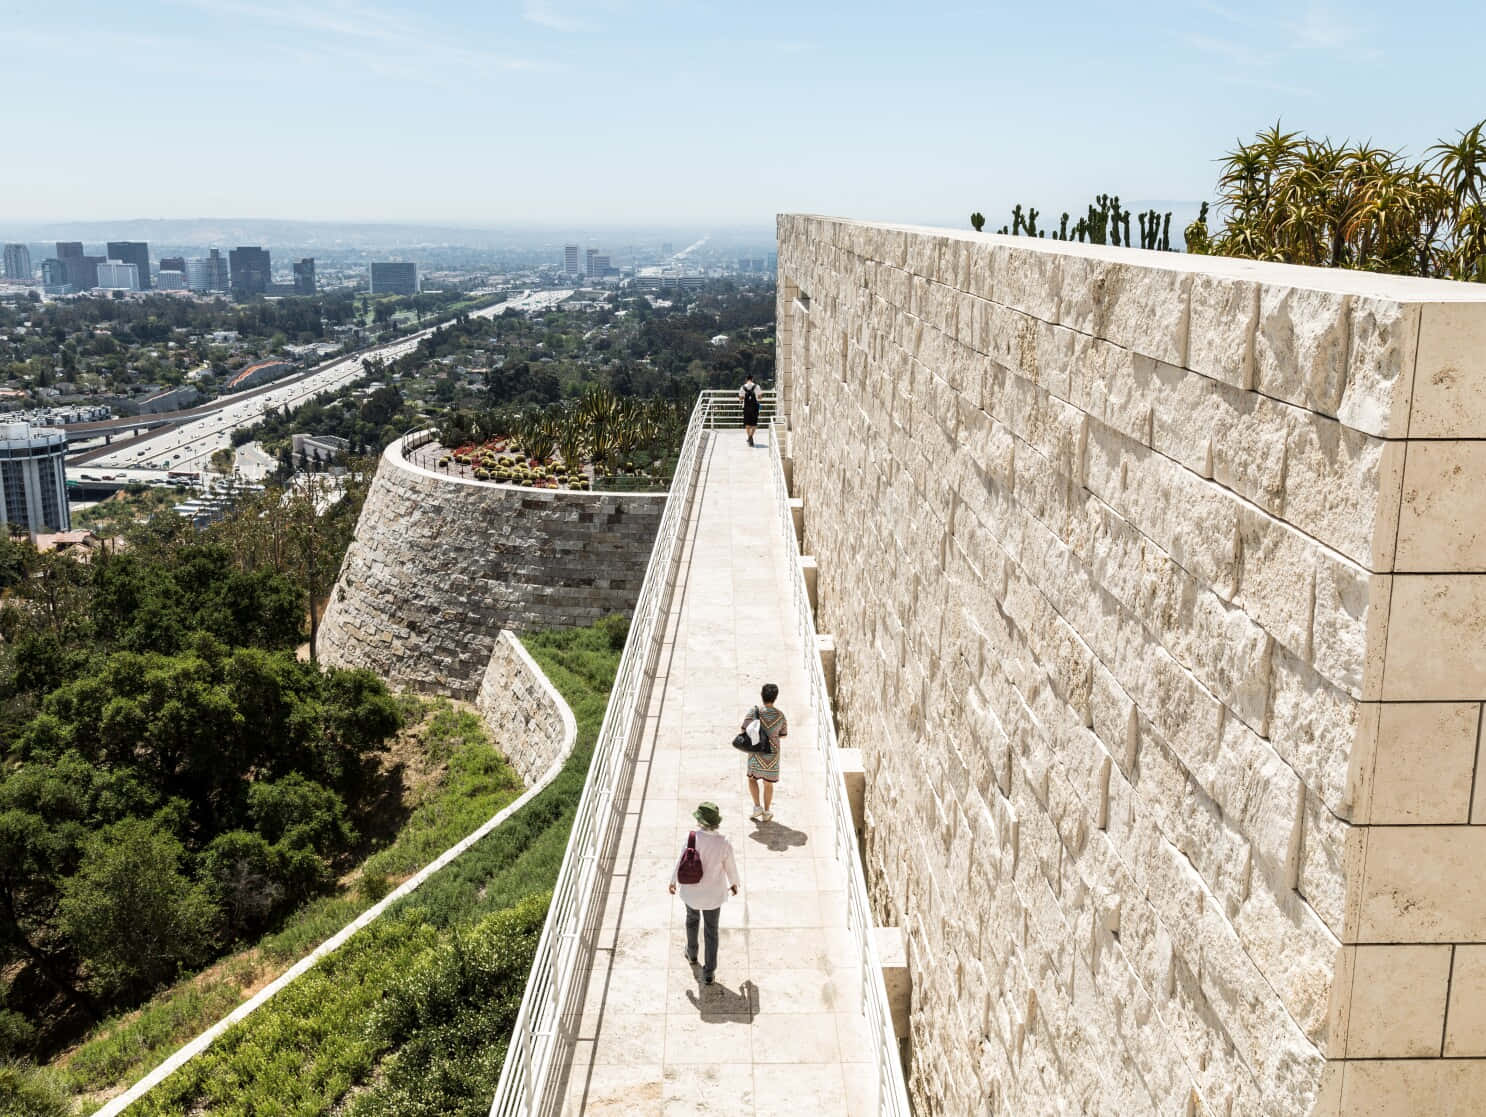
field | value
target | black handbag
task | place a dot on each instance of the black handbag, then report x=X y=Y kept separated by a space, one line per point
x=764 y=746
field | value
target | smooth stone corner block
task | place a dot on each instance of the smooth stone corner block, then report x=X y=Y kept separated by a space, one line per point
x=1435 y=650
x=1422 y=884
x=892 y=952
x=797 y=514
x=1415 y=762
x=1442 y=513
x=1397 y=1001
x=1414 y=1088
x=1450 y=372
x=1465 y=1028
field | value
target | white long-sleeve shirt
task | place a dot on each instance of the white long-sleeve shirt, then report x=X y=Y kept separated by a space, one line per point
x=719 y=872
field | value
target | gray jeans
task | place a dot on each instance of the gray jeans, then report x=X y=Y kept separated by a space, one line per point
x=709 y=917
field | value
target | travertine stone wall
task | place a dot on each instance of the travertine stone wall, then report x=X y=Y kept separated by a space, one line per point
x=522 y=711
x=441 y=564
x=1158 y=589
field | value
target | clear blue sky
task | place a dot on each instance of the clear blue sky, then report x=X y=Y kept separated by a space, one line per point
x=626 y=110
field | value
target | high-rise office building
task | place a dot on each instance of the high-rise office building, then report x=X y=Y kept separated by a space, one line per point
x=251 y=271
x=206 y=274
x=81 y=269
x=173 y=263
x=116 y=275
x=169 y=279
x=135 y=252
x=33 y=478
x=570 y=259
x=18 y=262
x=394 y=279
x=304 y=276
x=592 y=255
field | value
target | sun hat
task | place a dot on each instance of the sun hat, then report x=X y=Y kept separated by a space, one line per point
x=708 y=815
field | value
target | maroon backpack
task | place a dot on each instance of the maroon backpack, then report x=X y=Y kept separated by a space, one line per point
x=690 y=869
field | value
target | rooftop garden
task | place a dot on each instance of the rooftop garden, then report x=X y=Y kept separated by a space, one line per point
x=598 y=441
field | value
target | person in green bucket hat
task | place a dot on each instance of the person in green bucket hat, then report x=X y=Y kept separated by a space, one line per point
x=706 y=876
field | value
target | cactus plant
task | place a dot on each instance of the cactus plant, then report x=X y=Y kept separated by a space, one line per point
x=977 y=221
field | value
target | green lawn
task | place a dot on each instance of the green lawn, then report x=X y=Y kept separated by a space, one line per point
x=412 y=1016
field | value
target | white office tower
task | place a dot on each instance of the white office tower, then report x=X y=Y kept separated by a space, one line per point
x=115 y=275
x=570 y=259
x=170 y=280
x=33 y=478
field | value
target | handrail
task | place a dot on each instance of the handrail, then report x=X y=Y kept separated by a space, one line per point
x=725 y=409
x=892 y=1094
x=537 y=1034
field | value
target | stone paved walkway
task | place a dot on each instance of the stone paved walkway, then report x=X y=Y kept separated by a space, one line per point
x=781 y=1030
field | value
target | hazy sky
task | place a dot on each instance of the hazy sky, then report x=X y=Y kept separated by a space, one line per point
x=555 y=110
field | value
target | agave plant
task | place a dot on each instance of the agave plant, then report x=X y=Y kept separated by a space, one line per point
x=572 y=439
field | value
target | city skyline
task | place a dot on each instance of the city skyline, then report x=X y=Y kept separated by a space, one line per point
x=466 y=115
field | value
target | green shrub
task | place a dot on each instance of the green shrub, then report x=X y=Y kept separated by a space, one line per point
x=615 y=629
x=373 y=886
x=29 y=1091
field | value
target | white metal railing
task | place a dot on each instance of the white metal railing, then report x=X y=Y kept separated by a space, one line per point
x=725 y=409
x=537 y=1035
x=892 y=1094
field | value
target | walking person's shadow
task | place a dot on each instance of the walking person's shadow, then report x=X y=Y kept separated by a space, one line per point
x=778 y=838
x=717 y=1004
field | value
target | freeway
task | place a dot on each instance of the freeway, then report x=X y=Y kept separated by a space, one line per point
x=189 y=442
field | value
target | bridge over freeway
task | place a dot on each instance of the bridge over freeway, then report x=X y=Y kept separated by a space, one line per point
x=798 y=1020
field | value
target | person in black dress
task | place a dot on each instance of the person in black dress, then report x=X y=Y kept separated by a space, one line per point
x=749 y=395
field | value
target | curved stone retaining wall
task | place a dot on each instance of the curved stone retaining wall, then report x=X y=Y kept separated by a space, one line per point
x=441 y=564
x=1158 y=590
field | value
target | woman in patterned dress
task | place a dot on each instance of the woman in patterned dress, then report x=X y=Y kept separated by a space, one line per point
x=765 y=769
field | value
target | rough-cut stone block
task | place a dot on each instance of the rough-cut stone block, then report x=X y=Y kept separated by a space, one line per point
x=1277 y=582
x=1350 y=630
x=1224 y=315
x=1342 y=488
x=1384 y=337
x=1300 y=349
x=1143 y=309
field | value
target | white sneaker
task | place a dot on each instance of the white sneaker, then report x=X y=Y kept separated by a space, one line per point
x=767 y=816
x=756 y=814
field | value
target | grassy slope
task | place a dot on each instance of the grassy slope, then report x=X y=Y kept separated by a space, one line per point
x=306 y=1050
x=477 y=782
